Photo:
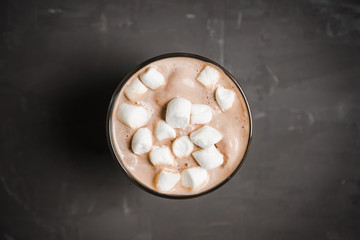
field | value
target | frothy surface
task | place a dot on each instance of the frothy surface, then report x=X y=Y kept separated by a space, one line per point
x=180 y=81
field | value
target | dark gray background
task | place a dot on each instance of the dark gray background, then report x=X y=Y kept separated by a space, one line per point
x=298 y=62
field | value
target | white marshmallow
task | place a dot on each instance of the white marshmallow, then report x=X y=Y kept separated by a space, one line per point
x=152 y=78
x=208 y=76
x=194 y=177
x=162 y=156
x=164 y=131
x=200 y=114
x=182 y=147
x=135 y=90
x=132 y=115
x=178 y=112
x=141 y=141
x=205 y=137
x=166 y=180
x=209 y=158
x=225 y=98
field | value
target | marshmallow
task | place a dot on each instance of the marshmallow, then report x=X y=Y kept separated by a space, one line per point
x=135 y=90
x=132 y=115
x=164 y=131
x=152 y=78
x=205 y=136
x=182 y=147
x=209 y=158
x=141 y=141
x=208 y=76
x=166 y=180
x=200 y=114
x=225 y=98
x=194 y=177
x=178 y=112
x=162 y=156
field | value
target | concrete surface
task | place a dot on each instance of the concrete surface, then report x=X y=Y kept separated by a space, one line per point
x=298 y=62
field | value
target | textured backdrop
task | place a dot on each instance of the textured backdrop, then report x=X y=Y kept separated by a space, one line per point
x=298 y=62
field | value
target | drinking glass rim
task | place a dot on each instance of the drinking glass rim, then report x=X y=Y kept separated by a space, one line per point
x=109 y=121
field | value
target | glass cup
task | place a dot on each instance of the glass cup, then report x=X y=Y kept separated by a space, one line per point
x=111 y=109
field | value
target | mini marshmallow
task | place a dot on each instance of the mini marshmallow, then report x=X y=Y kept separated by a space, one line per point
x=152 y=78
x=178 y=112
x=135 y=90
x=141 y=141
x=166 y=180
x=164 y=131
x=209 y=158
x=205 y=137
x=208 y=76
x=225 y=98
x=194 y=177
x=133 y=116
x=200 y=114
x=162 y=156
x=182 y=147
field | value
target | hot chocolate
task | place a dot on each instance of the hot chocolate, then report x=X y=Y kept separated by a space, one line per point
x=179 y=126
